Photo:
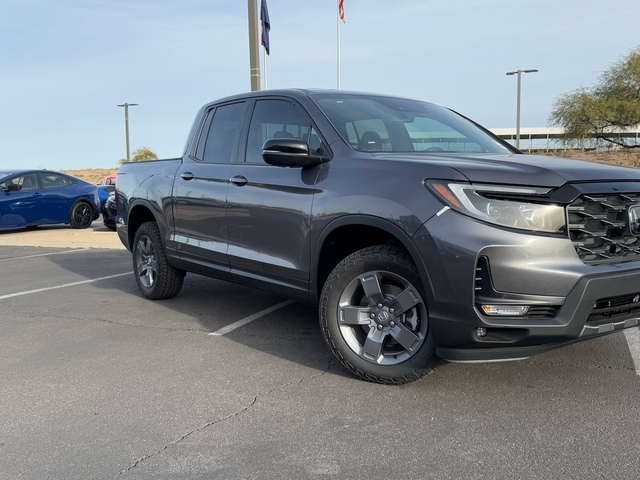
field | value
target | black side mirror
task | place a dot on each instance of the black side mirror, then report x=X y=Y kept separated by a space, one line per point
x=289 y=152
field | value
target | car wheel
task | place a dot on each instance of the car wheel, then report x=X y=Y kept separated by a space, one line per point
x=374 y=317
x=81 y=215
x=109 y=222
x=155 y=277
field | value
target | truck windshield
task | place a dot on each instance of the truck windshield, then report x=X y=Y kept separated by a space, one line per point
x=387 y=124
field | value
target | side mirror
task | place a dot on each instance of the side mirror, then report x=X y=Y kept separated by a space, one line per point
x=12 y=188
x=289 y=152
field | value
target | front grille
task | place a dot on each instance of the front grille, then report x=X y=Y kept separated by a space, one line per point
x=614 y=309
x=599 y=228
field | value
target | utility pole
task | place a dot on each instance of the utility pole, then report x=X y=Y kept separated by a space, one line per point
x=254 y=45
x=519 y=73
x=126 y=124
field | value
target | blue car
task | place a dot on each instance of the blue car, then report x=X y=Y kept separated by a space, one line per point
x=103 y=193
x=29 y=198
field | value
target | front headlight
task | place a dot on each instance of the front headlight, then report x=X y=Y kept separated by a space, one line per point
x=478 y=202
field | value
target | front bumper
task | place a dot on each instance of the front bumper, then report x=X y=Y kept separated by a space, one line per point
x=515 y=338
x=574 y=301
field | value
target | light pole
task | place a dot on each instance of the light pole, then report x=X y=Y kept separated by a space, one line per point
x=126 y=124
x=519 y=73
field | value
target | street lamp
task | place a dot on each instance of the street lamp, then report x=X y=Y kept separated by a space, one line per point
x=519 y=73
x=126 y=124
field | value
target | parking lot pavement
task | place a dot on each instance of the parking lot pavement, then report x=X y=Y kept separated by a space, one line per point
x=100 y=383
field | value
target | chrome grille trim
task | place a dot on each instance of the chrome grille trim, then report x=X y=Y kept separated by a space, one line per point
x=599 y=228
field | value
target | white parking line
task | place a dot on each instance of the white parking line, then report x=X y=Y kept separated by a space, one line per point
x=46 y=289
x=633 y=339
x=250 y=318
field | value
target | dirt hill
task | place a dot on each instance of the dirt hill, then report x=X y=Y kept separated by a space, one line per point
x=93 y=175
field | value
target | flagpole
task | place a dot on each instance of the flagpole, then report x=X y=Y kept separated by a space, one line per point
x=264 y=55
x=338 y=28
x=266 y=26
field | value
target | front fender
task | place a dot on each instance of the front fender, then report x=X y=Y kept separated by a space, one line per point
x=373 y=230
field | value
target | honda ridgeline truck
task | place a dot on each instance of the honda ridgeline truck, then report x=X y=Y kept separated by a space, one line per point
x=418 y=233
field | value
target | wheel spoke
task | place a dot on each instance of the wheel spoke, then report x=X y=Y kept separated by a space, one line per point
x=150 y=277
x=145 y=246
x=141 y=267
x=372 y=347
x=372 y=288
x=405 y=337
x=350 y=315
x=405 y=301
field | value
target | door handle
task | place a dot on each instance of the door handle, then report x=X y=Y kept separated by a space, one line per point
x=239 y=180
x=187 y=176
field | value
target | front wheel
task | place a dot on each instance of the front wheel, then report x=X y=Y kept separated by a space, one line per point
x=155 y=277
x=374 y=317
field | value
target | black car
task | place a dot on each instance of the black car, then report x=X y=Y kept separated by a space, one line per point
x=109 y=211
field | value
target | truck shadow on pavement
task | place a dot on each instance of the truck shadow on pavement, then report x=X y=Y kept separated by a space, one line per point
x=205 y=305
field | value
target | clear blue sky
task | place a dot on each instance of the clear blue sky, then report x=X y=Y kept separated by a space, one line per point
x=66 y=64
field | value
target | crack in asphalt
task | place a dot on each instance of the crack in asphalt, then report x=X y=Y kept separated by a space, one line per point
x=254 y=401
x=202 y=427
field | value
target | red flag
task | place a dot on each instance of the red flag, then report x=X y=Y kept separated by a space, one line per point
x=341 y=9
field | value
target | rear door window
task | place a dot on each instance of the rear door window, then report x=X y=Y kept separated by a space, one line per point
x=222 y=137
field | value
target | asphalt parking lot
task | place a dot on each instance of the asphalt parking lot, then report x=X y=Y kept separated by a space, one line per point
x=226 y=382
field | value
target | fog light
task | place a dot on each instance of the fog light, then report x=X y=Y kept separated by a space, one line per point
x=505 y=310
x=481 y=332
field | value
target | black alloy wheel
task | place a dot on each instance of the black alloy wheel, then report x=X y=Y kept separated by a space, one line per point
x=374 y=317
x=81 y=215
x=155 y=277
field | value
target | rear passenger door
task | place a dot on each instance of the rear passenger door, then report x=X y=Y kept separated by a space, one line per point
x=200 y=189
x=269 y=207
x=58 y=196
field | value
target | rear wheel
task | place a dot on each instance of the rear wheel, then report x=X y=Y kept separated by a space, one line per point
x=155 y=277
x=81 y=215
x=374 y=318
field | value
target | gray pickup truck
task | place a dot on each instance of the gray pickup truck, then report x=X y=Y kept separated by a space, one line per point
x=418 y=233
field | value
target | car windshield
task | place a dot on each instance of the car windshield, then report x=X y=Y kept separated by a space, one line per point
x=387 y=124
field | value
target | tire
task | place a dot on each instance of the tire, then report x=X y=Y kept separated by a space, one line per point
x=374 y=318
x=81 y=215
x=156 y=279
x=109 y=222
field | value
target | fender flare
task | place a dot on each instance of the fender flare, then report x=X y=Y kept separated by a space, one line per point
x=392 y=229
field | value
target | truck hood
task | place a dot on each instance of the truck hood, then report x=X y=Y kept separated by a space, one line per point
x=534 y=170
